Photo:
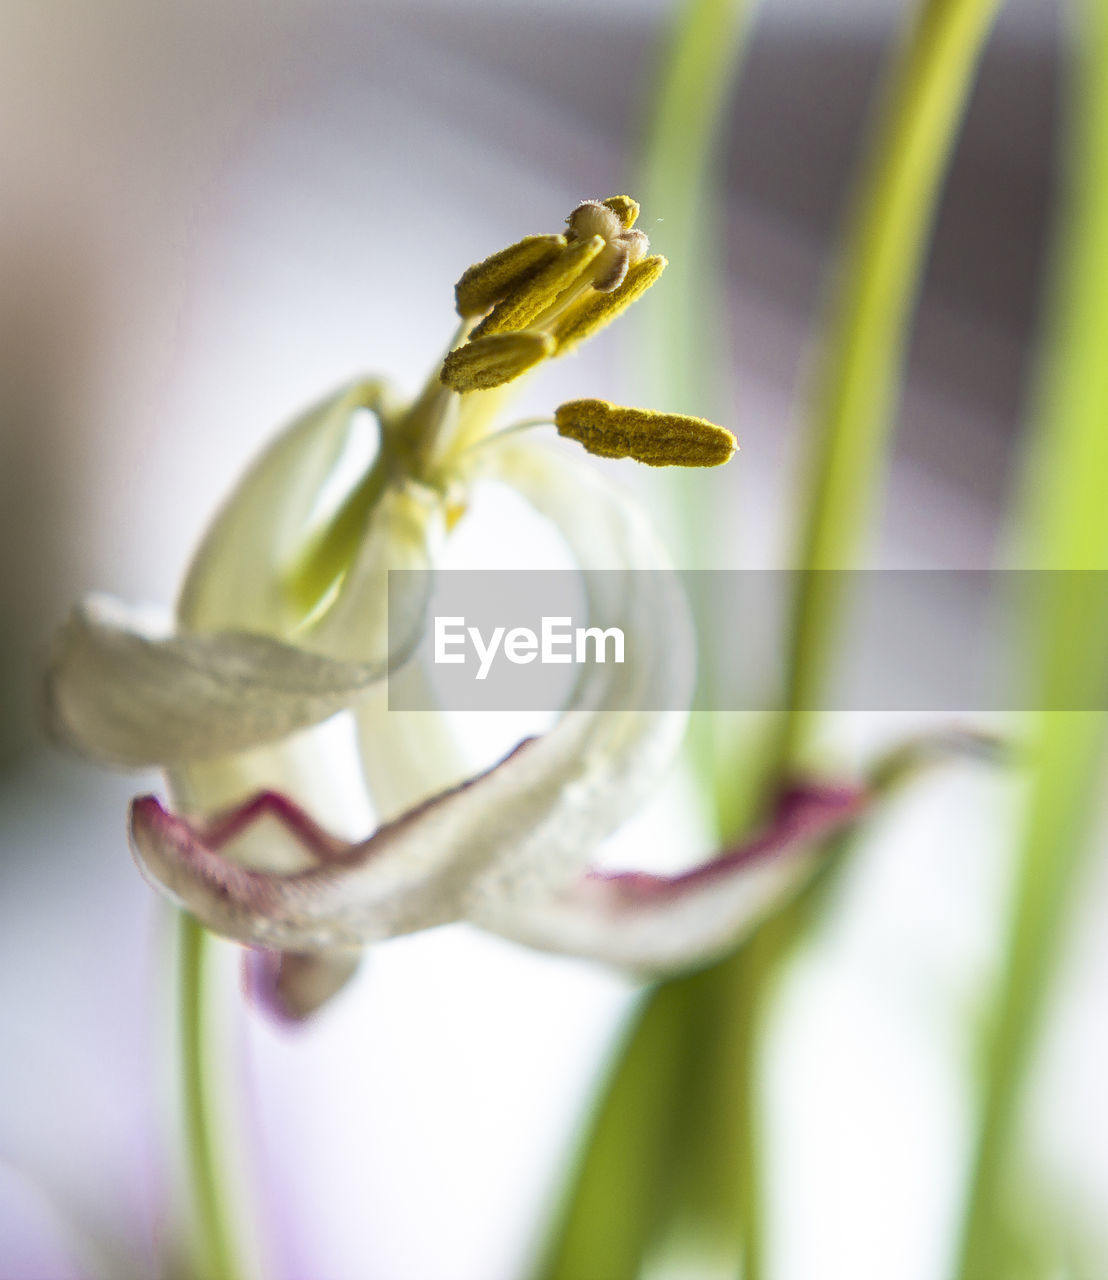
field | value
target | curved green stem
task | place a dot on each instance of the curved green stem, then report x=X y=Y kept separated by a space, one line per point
x=698 y=1039
x=215 y=1251
x=1066 y=530
x=882 y=261
x=625 y=1179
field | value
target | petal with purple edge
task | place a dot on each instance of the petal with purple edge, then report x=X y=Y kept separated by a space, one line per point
x=527 y=826
x=656 y=926
x=290 y=986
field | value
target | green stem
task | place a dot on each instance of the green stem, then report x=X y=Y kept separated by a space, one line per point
x=682 y=329
x=1066 y=530
x=712 y=1140
x=215 y=1252
x=882 y=261
x=885 y=240
x=625 y=1177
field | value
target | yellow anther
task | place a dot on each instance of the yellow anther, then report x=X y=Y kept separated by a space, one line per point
x=600 y=309
x=485 y=283
x=551 y=292
x=625 y=209
x=492 y=360
x=658 y=439
x=542 y=291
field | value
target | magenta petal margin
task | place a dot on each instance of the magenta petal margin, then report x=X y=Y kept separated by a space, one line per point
x=805 y=814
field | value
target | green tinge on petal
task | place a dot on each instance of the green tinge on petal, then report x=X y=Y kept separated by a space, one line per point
x=237 y=577
x=599 y=309
x=485 y=283
x=491 y=361
x=530 y=299
x=361 y=623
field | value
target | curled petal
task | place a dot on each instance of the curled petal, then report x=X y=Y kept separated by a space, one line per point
x=654 y=926
x=365 y=891
x=526 y=826
x=406 y=756
x=240 y=577
x=411 y=874
x=236 y=580
x=290 y=986
x=119 y=693
x=603 y=759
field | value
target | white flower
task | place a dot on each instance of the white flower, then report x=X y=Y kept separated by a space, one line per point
x=281 y=624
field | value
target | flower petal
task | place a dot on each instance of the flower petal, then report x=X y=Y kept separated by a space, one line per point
x=290 y=986
x=522 y=829
x=603 y=759
x=406 y=756
x=413 y=873
x=119 y=693
x=365 y=622
x=409 y=875
x=236 y=580
x=655 y=926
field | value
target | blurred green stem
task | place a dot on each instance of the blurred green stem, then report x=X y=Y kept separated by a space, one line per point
x=867 y=333
x=213 y=1247
x=698 y=1177
x=1066 y=530
x=626 y=1174
x=682 y=333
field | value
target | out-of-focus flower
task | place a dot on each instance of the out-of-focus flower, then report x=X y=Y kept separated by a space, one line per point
x=281 y=624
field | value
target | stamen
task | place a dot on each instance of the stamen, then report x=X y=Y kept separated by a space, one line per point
x=528 y=300
x=625 y=209
x=563 y=288
x=658 y=439
x=494 y=359
x=602 y=308
x=486 y=282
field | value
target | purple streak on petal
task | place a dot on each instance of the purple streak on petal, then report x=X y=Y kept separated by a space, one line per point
x=187 y=846
x=261 y=970
x=804 y=815
x=290 y=987
x=222 y=829
x=175 y=852
x=306 y=910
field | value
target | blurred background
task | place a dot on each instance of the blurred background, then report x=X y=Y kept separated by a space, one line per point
x=211 y=214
